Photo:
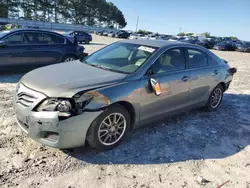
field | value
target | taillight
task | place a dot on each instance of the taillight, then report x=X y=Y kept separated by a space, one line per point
x=232 y=70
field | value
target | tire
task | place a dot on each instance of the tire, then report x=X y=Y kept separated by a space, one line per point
x=86 y=41
x=211 y=103
x=68 y=58
x=99 y=131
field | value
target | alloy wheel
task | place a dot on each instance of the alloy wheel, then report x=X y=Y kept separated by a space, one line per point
x=68 y=59
x=216 y=98
x=112 y=129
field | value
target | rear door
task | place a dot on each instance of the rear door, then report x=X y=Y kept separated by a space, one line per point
x=204 y=71
x=171 y=72
x=46 y=47
x=16 y=51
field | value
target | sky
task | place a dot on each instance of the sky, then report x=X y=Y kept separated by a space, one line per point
x=219 y=17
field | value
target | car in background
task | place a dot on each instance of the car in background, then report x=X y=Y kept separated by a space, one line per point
x=173 y=38
x=81 y=36
x=165 y=37
x=153 y=36
x=100 y=32
x=225 y=46
x=111 y=34
x=105 y=33
x=206 y=43
x=181 y=38
x=125 y=85
x=190 y=40
x=243 y=47
x=122 y=34
x=32 y=47
x=138 y=36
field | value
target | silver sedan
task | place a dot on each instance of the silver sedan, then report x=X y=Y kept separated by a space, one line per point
x=122 y=86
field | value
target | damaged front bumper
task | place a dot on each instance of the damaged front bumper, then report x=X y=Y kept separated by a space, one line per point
x=46 y=128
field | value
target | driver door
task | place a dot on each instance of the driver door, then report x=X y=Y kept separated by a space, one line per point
x=170 y=71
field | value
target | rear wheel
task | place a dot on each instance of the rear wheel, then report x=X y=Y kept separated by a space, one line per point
x=215 y=98
x=87 y=41
x=109 y=128
x=68 y=58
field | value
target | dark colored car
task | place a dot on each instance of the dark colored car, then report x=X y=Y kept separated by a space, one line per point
x=30 y=47
x=181 y=39
x=190 y=41
x=225 y=45
x=206 y=43
x=80 y=36
x=101 y=32
x=243 y=47
x=122 y=34
x=111 y=34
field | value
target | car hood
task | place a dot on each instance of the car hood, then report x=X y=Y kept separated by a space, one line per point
x=66 y=79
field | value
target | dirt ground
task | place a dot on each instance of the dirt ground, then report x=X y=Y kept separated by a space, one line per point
x=171 y=153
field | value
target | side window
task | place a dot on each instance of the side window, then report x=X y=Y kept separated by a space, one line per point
x=52 y=39
x=32 y=38
x=171 y=60
x=15 y=39
x=42 y=38
x=196 y=59
x=120 y=52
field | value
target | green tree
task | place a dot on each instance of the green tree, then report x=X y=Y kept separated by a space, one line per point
x=90 y=12
x=181 y=34
x=9 y=8
x=189 y=34
x=206 y=34
x=144 y=32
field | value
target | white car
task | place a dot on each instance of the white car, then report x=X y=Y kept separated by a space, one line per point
x=138 y=36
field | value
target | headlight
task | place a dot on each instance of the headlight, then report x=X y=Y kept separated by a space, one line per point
x=64 y=106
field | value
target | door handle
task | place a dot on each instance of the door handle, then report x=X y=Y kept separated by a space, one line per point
x=216 y=72
x=185 y=78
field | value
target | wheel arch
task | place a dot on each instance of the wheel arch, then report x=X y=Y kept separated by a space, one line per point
x=223 y=84
x=69 y=54
x=131 y=110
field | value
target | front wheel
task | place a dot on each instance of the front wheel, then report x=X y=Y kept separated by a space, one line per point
x=215 y=98
x=109 y=128
x=68 y=58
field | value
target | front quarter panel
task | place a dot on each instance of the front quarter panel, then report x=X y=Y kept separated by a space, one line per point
x=123 y=92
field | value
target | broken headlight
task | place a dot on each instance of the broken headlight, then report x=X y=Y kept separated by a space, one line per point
x=63 y=106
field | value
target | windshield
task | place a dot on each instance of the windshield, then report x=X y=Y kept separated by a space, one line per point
x=121 y=57
x=3 y=33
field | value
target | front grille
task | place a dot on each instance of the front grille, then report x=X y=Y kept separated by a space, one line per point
x=25 y=99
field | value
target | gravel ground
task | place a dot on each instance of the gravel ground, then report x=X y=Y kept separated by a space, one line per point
x=171 y=153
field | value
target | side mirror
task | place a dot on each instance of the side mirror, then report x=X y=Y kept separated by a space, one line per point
x=85 y=54
x=155 y=86
x=3 y=43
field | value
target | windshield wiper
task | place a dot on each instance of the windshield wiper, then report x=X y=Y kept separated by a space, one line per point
x=107 y=68
x=100 y=66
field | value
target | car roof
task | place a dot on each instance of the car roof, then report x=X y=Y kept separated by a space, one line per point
x=30 y=29
x=154 y=43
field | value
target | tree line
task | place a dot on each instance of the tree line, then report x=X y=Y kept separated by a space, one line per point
x=88 y=12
